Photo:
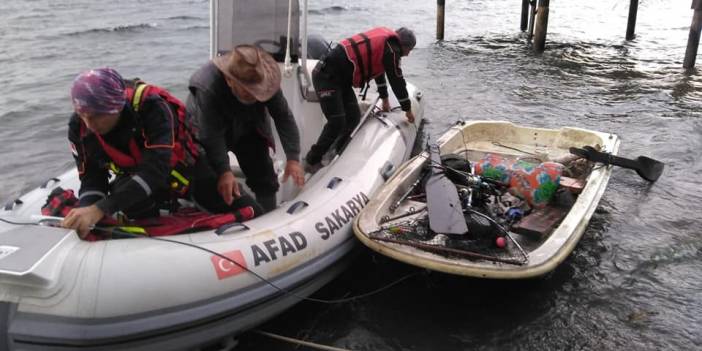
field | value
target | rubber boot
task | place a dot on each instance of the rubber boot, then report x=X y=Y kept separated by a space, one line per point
x=267 y=201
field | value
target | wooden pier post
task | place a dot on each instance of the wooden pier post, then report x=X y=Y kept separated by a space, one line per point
x=532 y=19
x=440 y=19
x=525 y=15
x=541 y=25
x=693 y=40
x=631 y=25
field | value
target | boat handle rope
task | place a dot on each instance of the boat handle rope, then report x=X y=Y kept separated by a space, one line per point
x=224 y=228
x=268 y=282
x=334 y=182
x=297 y=205
x=10 y=205
x=48 y=181
x=387 y=170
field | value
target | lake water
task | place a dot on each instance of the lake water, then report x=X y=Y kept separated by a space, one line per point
x=633 y=282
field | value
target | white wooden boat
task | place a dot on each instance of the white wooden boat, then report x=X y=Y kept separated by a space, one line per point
x=522 y=257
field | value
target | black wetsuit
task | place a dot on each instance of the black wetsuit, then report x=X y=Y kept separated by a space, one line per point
x=142 y=190
x=333 y=83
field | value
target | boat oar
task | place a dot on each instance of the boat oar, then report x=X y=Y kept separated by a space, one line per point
x=646 y=167
x=445 y=211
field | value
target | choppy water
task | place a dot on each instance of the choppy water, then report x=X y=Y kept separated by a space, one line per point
x=633 y=282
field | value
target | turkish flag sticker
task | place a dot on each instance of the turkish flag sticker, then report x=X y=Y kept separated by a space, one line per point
x=227 y=268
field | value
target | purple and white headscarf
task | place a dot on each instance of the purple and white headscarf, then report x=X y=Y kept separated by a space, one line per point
x=98 y=91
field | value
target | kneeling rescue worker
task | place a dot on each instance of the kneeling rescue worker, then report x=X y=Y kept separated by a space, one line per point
x=140 y=133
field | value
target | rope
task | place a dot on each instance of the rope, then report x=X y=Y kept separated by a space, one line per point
x=512 y=148
x=298 y=341
x=288 y=66
x=17 y=223
x=282 y=290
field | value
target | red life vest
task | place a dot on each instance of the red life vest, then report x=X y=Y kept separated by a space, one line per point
x=184 y=149
x=365 y=50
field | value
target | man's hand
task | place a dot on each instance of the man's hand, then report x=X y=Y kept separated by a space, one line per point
x=82 y=219
x=228 y=187
x=410 y=116
x=386 y=105
x=294 y=170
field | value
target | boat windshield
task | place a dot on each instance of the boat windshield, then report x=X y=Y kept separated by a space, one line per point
x=260 y=22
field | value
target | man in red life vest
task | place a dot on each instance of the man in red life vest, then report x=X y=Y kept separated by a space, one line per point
x=139 y=132
x=354 y=63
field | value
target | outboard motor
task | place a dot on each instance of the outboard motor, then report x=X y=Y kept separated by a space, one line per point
x=317 y=46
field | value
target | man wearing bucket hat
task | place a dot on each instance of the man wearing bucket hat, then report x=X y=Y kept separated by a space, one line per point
x=229 y=97
x=139 y=133
x=354 y=63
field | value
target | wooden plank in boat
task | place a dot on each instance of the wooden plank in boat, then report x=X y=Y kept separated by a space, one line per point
x=541 y=222
x=574 y=185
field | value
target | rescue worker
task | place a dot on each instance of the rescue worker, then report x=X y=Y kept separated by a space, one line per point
x=229 y=97
x=354 y=63
x=140 y=133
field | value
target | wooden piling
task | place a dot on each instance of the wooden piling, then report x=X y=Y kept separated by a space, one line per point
x=631 y=25
x=693 y=40
x=532 y=19
x=525 y=15
x=440 y=8
x=541 y=25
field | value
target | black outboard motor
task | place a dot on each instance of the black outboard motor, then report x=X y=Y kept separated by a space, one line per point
x=317 y=46
x=459 y=163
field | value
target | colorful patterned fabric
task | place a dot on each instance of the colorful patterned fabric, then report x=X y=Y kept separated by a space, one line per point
x=536 y=183
x=494 y=167
x=98 y=91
